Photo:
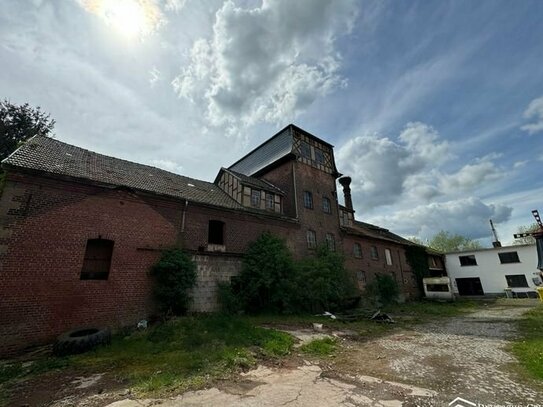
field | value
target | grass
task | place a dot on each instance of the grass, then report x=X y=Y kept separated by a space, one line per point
x=187 y=353
x=529 y=349
x=320 y=347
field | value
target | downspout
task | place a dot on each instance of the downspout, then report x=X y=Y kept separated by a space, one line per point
x=295 y=190
x=182 y=231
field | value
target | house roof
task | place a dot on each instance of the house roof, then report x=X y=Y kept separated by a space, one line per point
x=53 y=157
x=376 y=232
x=252 y=181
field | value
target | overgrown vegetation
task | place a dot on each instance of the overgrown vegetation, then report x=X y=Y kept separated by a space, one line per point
x=174 y=275
x=417 y=258
x=384 y=289
x=529 y=349
x=272 y=282
x=187 y=352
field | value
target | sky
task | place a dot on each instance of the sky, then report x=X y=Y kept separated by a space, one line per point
x=435 y=109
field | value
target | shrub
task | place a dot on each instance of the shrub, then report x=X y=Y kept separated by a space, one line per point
x=384 y=288
x=324 y=283
x=229 y=301
x=174 y=275
x=266 y=278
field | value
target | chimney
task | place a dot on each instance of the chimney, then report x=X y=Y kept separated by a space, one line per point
x=345 y=183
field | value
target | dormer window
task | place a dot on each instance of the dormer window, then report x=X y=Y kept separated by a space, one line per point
x=270 y=201
x=255 y=198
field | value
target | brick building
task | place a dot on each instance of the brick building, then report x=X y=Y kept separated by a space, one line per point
x=79 y=230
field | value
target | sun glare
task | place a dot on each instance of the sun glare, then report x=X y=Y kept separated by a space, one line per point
x=131 y=18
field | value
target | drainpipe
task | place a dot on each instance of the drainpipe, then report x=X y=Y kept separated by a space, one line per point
x=183 y=216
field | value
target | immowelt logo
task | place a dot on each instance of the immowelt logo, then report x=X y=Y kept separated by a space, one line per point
x=460 y=402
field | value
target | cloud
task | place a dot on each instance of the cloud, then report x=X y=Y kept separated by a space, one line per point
x=467 y=217
x=266 y=64
x=534 y=111
x=470 y=176
x=168 y=165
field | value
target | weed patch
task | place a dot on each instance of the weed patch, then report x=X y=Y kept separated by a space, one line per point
x=529 y=349
x=320 y=347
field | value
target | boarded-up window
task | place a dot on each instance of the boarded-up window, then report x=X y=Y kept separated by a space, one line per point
x=97 y=261
x=216 y=232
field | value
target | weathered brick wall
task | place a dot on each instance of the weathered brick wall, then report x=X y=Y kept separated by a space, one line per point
x=212 y=269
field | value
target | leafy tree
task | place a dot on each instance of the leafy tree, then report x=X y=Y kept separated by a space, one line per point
x=323 y=281
x=175 y=276
x=266 y=281
x=20 y=122
x=526 y=229
x=416 y=240
x=447 y=242
x=384 y=288
x=417 y=258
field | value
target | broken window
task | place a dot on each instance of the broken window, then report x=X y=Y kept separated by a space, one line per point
x=357 y=250
x=216 y=232
x=508 y=257
x=311 y=239
x=97 y=260
x=468 y=260
x=331 y=242
x=516 y=281
x=255 y=198
x=326 y=207
x=308 y=200
x=388 y=257
x=374 y=253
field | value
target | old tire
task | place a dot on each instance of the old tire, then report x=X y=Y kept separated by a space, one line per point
x=80 y=340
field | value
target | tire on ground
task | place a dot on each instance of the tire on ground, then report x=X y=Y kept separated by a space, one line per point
x=80 y=340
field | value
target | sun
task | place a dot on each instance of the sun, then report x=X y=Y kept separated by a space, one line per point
x=131 y=18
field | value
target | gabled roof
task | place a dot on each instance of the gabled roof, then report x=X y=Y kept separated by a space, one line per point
x=55 y=158
x=252 y=181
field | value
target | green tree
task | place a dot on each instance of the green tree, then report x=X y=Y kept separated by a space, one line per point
x=175 y=275
x=446 y=242
x=266 y=281
x=20 y=122
x=526 y=229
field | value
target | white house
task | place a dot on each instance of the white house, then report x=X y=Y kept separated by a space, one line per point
x=510 y=270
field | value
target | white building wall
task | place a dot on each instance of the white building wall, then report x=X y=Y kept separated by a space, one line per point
x=491 y=272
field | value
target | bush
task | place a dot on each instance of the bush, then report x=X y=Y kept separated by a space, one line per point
x=175 y=276
x=229 y=301
x=323 y=281
x=266 y=279
x=384 y=288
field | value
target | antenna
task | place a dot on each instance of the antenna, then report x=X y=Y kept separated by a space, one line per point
x=496 y=242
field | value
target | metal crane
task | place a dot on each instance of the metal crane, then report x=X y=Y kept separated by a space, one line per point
x=538 y=236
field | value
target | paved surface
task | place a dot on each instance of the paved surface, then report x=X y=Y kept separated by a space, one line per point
x=429 y=365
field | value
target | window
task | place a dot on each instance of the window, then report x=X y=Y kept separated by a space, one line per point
x=97 y=259
x=308 y=199
x=311 y=239
x=468 y=260
x=255 y=198
x=374 y=253
x=433 y=262
x=437 y=287
x=270 y=201
x=508 y=257
x=319 y=156
x=326 y=205
x=361 y=276
x=388 y=257
x=305 y=150
x=357 y=250
x=516 y=281
x=331 y=242
x=215 y=232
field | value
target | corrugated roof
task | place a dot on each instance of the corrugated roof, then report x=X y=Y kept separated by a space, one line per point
x=376 y=232
x=267 y=153
x=54 y=157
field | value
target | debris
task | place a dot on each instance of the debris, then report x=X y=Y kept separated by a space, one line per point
x=317 y=327
x=142 y=325
x=327 y=314
x=379 y=316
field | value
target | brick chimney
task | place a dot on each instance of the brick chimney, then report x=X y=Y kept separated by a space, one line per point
x=345 y=183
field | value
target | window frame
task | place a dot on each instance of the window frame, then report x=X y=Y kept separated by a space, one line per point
x=388 y=257
x=509 y=278
x=255 y=201
x=308 y=200
x=319 y=156
x=270 y=205
x=91 y=263
x=507 y=259
x=357 y=253
x=305 y=150
x=328 y=205
x=330 y=242
x=212 y=230
x=464 y=263
x=311 y=238
x=374 y=253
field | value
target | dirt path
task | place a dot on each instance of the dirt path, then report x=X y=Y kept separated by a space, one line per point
x=428 y=365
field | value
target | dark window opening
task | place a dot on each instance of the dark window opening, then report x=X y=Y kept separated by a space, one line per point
x=516 y=281
x=357 y=250
x=311 y=239
x=270 y=201
x=97 y=261
x=361 y=276
x=319 y=156
x=374 y=253
x=308 y=200
x=331 y=242
x=326 y=207
x=305 y=150
x=437 y=287
x=508 y=257
x=216 y=232
x=468 y=260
